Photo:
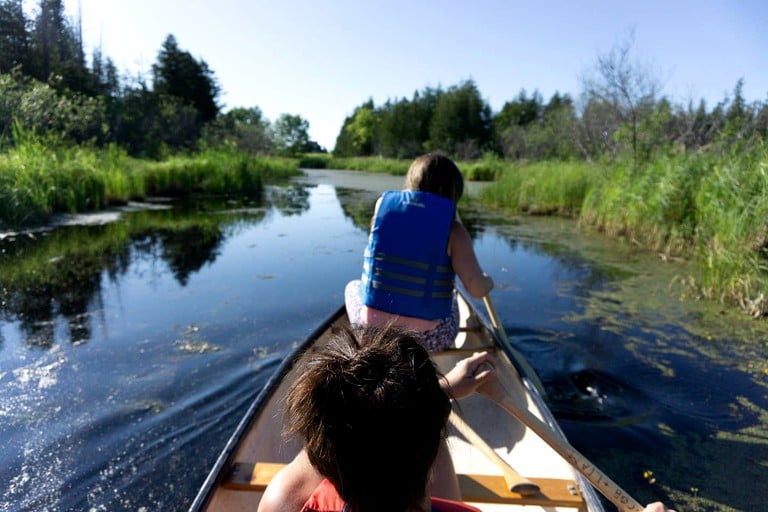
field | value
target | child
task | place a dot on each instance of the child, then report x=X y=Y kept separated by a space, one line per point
x=370 y=408
x=417 y=245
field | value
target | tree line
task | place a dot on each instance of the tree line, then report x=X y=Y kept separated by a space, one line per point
x=621 y=112
x=48 y=88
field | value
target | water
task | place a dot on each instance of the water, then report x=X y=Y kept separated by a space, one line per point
x=132 y=342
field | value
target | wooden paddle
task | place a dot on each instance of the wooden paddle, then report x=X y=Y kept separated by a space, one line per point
x=525 y=369
x=515 y=482
x=597 y=478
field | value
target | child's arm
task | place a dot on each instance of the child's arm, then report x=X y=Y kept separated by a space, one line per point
x=465 y=263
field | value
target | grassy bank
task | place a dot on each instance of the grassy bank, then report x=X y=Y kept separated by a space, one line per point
x=711 y=209
x=37 y=180
x=486 y=169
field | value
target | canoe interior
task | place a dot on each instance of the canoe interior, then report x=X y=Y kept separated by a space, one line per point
x=259 y=438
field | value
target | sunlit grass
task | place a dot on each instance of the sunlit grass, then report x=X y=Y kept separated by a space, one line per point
x=369 y=164
x=39 y=180
x=543 y=187
x=486 y=169
x=709 y=208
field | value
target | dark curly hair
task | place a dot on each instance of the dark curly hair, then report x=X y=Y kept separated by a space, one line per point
x=370 y=410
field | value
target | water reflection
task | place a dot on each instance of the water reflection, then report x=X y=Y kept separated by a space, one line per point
x=57 y=273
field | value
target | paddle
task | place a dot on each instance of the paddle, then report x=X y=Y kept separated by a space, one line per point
x=506 y=401
x=525 y=369
x=597 y=478
x=515 y=482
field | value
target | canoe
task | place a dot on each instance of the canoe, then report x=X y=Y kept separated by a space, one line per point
x=256 y=450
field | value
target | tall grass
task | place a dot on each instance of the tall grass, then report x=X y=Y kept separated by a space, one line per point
x=710 y=208
x=732 y=230
x=39 y=179
x=369 y=164
x=543 y=187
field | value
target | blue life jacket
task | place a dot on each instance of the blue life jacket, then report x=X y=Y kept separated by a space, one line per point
x=406 y=267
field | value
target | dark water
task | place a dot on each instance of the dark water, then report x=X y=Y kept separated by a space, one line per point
x=131 y=344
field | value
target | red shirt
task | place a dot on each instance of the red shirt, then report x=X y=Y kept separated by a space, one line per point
x=325 y=499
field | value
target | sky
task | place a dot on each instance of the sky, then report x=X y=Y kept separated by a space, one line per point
x=322 y=59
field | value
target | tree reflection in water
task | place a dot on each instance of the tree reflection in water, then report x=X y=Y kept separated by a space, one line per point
x=57 y=273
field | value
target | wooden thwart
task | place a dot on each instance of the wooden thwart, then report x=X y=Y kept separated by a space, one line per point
x=247 y=476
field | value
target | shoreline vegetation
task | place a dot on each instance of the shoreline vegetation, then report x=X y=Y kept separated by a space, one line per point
x=710 y=209
x=38 y=181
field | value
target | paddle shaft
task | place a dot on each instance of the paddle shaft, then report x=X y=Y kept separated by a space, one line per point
x=518 y=360
x=515 y=482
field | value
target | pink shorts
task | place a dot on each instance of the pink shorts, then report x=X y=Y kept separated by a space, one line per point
x=440 y=338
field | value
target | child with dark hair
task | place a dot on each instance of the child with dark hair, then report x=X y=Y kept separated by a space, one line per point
x=416 y=248
x=371 y=409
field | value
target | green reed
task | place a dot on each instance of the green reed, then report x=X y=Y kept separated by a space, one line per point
x=368 y=164
x=39 y=178
x=706 y=207
x=485 y=169
x=543 y=187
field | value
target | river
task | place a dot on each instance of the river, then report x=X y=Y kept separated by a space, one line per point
x=131 y=342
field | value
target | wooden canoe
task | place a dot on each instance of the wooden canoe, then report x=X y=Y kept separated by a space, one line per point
x=256 y=450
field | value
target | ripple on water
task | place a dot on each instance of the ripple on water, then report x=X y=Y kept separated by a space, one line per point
x=39 y=469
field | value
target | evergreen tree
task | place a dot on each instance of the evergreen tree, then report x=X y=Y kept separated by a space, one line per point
x=15 y=46
x=461 y=124
x=178 y=74
x=56 y=49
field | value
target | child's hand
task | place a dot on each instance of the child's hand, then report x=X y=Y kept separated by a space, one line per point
x=469 y=374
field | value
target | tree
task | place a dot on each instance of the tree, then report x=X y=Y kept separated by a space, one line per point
x=522 y=111
x=14 y=36
x=35 y=107
x=599 y=122
x=402 y=127
x=106 y=81
x=357 y=132
x=516 y=119
x=245 y=129
x=57 y=50
x=291 y=134
x=624 y=86
x=178 y=74
x=461 y=124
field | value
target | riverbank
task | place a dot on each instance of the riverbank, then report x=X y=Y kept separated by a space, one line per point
x=38 y=181
x=709 y=208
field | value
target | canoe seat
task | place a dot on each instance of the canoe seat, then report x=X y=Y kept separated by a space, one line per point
x=249 y=476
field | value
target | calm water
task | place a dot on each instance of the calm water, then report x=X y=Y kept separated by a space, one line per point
x=131 y=343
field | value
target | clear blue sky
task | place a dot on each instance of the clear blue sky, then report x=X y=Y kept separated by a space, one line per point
x=320 y=60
